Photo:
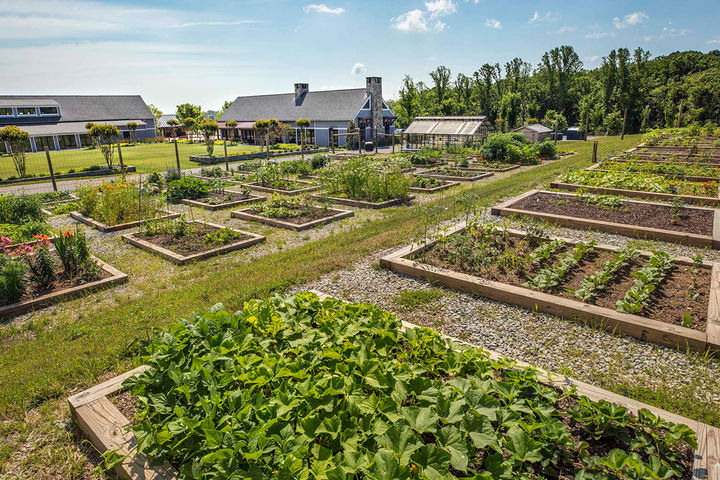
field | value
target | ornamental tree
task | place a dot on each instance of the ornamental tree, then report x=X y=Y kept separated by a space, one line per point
x=132 y=127
x=352 y=139
x=18 y=140
x=262 y=127
x=231 y=124
x=173 y=123
x=303 y=124
x=190 y=125
x=105 y=135
x=209 y=128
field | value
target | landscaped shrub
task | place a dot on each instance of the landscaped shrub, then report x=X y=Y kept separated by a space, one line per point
x=318 y=161
x=547 y=149
x=187 y=187
x=292 y=386
x=360 y=179
x=116 y=202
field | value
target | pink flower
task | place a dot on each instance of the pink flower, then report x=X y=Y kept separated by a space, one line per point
x=5 y=241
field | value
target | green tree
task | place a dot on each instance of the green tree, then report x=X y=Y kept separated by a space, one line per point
x=231 y=125
x=173 y=124
x=18 y=140
x=190 y=124
x=551 y=116
x=106 y=135
x=261 y=129
x=352 y=140
x=302 y=124
x=156 y=112
x=225 y=106
x=441 y=83
x=132 y=127
x=209 y=128
x=188 y=110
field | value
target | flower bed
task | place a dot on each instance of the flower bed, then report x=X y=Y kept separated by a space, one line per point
x=418 y=407
x=291 y=213
x=455 y=174
x=182 y=242
x=651 y=296
x=429 y=185
x=34 y=275
x=22 y=217
x=674 y=223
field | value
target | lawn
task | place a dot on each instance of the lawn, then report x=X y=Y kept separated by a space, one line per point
x=68 y=349
x=147 y=157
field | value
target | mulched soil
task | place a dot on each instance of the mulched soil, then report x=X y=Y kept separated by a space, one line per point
x=453 y=172
x=691 y=220
x=684 y=291
x=316 y=213
x=126 y=403
x=189 y=244
x=218 y=198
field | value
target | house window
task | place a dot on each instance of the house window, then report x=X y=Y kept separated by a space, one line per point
x=42 y=142
x=48 y=110
x=26 y=111
x=85 y=140
x=67 y=141
x=6 y=112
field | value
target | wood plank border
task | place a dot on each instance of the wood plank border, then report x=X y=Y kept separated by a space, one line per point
x=134 y=239
x=220 y=206
x=643 y=328
x=478 y=168
x=635 y=231
x=455 y=178
x=299 y=191
x=246 y=214
x=687 y=178
x=361 y=204
x=122 y=226
x=116 y=277
x=212 y=179
x=448 y=184
x=691 y=199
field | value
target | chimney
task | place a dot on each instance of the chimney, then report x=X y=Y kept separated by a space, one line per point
x=373 y=88
x=300 y=90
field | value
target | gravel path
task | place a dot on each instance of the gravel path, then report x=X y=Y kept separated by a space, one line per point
x=561 y=346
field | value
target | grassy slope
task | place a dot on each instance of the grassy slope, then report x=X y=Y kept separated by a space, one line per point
x=149 y=157
x=39 y=364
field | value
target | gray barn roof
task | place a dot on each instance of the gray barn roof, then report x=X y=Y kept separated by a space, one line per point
x=534 y=127
x=447 y=125
x=83 y=108
x=331 y=105
x=162 y=121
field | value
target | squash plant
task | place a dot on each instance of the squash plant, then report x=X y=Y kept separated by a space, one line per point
x=297 y=388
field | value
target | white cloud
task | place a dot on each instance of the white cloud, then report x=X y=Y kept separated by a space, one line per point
x=539 y=18
x=492 y=23
x=598 y=35
x=322 y=8
x=714 y=41
x=438 y=8
x=648 y=38
x=212 y=24
x=358 y=68
x=674 y=32
x=566 y=28
x=416 y=21
x=631 y=19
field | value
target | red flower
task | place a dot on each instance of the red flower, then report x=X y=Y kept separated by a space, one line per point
x=69 y=233
x=42 y=239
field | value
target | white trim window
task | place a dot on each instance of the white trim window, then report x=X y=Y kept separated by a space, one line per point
x=49 y=111
x=6 y=112
x=26 y=111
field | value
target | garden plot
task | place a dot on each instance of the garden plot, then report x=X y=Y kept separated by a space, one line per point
x=292 y=213
x=284 y=186
x=687 y=171
x=646 y=220
x=44 y=272
x=430 y=185
x=635 y=154
x=22 y=217
x=454 y=441
x=218 y=199
x=182 y=242
x=650 y=186
x=455 y=174
x=651 y=296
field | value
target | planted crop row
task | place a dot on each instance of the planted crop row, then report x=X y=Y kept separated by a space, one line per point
x=648 y=278
x=599 y=281
x=662 y=168
x=644 y=183
x=552 y=276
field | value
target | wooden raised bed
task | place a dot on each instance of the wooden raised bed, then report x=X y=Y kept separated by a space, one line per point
x=106 y=427
x=480 y=168
x=335 y=214
x=691 y=199
x=636 y=231
x=310 y=188
x=688 y=178
x=116 y=277
x=227 y=179
x=121 y=226
x=643 y=328
x=445 y=186
x=455 y=178
x=219 y=206
x=362 y=204
x=138 y=241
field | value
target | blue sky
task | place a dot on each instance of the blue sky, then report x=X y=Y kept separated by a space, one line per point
x=206 y=52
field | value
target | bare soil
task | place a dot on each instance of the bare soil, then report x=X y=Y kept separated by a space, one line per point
x=195 y=242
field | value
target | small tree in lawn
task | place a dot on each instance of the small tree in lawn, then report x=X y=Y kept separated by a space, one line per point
x=231 y=124
x=209 y=128
x=106 y=135
x=270 y=134
x=18 y=141
x=93 y=139
x=173 y=124
x=190 y=125
x=302 y=123
x=352 y=140
x=279 y=131
x=132 y=127
x=261 y=129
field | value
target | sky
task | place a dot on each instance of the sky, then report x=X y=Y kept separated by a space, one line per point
x=178 y=51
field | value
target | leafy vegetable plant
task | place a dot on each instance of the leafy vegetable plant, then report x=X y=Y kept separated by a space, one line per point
x=648 y=278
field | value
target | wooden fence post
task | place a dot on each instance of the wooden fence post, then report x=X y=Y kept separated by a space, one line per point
x=50 y=167
x=227 y=165
x=622 y=136
x=332 y=143
x=679 y=117
x=177 y=156
x=122 y=165
x=595 y=147
x=587 y=123
x=393 y=142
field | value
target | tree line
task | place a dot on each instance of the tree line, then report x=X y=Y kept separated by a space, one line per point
x=650 y=90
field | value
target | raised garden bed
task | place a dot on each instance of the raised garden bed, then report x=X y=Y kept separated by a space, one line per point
x=364 y=204
x=217 y=200
x=402 y=438
x=639 y=219
x=479 y=167
x=455 y=174
x=194 y=246
x=122 y=226
x=310 y=217
x=285 y=187
x=688 y=171
x=430 y=185
x=673 y=305
x=572 y=187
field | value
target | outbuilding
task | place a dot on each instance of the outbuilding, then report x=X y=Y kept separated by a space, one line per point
x=535 y=132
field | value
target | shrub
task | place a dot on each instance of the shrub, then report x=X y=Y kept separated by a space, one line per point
x=496 y=147
x=24 y=232
x=12 y=279
x=116 y=202
x=318 y=161
x=708 y=129
x=694 y=129
x=547 y=149
x=299 y=166
x=359 y=179
x=188 y=187
x=20 y=209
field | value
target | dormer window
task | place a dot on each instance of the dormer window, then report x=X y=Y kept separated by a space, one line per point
x=26 y=111
x=48 y=110
x=6 y=112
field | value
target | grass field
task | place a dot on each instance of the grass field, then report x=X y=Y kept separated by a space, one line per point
x=147 y=157
x=57 y=353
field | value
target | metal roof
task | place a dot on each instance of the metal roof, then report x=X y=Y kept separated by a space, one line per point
x=534 y=127
x=447 y=125
x=68 y=128
x=88 y=108
x=329 y=105
x=162 y=121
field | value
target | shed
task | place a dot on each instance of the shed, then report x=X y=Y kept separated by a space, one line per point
x=535 y=132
